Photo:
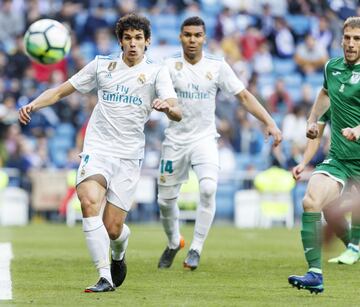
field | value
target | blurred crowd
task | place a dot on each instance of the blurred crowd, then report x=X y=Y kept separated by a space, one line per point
x=276 y=47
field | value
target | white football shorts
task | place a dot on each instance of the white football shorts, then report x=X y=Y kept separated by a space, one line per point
x=122 y=177
x=176 y=161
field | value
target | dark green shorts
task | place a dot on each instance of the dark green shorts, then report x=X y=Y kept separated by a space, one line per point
x=340 y=170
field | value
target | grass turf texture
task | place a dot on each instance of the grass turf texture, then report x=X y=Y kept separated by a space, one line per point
x=238 y=268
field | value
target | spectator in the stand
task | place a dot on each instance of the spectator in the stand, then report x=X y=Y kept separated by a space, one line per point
x=68 y=12
x=11 y=136
x=250 y=42
x=307 y=97
x=280 y=100
x=11 y=113
x=225 y=25
x=95 y=20
x=262 y=61
x=33 y=12
x=322 y=33
x=265 y=21
x=283 y=40
x=11 y=24
x=247 y=135
x=18 y=61
x=3 y=62
x=294 y=127
x=310 y=56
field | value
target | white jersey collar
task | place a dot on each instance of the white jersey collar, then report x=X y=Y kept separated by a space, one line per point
x=123 y=64
x=185 y=61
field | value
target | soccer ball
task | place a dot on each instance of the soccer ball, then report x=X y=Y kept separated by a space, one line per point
x=47 y=41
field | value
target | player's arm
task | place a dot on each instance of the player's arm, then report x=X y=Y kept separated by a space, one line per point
x=47 y=98
x=170 y=107
x=252 y=105
x=321 y=105
x=312 y=147
x=352 y=134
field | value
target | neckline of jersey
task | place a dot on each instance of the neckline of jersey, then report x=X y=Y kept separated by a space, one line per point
x=131 y=67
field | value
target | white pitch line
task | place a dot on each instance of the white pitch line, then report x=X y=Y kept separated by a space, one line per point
x=6 y=255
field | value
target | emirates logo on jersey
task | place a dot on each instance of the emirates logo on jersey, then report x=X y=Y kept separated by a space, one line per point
x=355 y=78
x=178 y=65
x=141 y=79
x=209 y=75
x=111 y=66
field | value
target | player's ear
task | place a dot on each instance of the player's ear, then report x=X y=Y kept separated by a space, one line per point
x=148 y=42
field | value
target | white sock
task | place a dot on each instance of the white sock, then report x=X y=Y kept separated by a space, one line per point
x=169 y=215
x=204 y=214
x=118 y=246
x=98 y=242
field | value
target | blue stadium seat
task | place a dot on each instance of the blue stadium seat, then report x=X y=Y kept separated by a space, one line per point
x=295 y=93
x=293 y=80
x=258 y=161
x=283 y=67
x=300 y=24
x=225 y=201
x=58 y=148
x=165 y=21
x=315 y=80
x=336 y=52
x=211 y=7
x=66 y=130
x=210 y=23
x=169 y=35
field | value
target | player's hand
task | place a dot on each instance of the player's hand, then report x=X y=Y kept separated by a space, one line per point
x=297 y=170
x=312 y=131
x=24 y=114
x=275 y=132
x=161 y=105
x=351 y=134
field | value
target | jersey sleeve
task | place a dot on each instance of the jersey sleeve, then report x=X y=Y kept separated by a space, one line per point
x=228 y=81
x=85 y=80
x=163 y=84
x=325 y=117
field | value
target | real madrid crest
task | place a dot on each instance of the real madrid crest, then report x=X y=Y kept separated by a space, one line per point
x=162 y=179
x=82 y=173
x=111 y=66
x=141 y=79
x=178 y=65
x=209 y=75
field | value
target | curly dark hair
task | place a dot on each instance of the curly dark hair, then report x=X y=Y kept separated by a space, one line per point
x=132 y=22
x=193 y=21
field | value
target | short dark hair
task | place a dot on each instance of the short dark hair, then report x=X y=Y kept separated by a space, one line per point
x=132 y=22
x=193 y=21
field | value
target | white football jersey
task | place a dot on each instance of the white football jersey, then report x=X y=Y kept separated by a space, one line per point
x=125 y=94
x=196 y=87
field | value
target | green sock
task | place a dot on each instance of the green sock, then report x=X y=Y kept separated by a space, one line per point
x=355 y=232
x=311 y=238
x=345 y=238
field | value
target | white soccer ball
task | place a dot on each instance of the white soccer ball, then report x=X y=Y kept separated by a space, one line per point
x=47 y=41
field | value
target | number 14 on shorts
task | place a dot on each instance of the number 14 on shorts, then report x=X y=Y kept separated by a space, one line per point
x=166 y=166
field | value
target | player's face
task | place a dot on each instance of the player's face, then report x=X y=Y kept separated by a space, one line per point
x=192 y=40
x=133 y=43
x=351 y=45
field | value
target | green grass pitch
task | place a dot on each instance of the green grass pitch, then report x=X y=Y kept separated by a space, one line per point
x=51 y=267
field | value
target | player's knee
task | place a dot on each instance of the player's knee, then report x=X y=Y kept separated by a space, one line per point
x=166 y=203
x=114 y=230
x=88 y=205
x=207 y=187
x=310 y=203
